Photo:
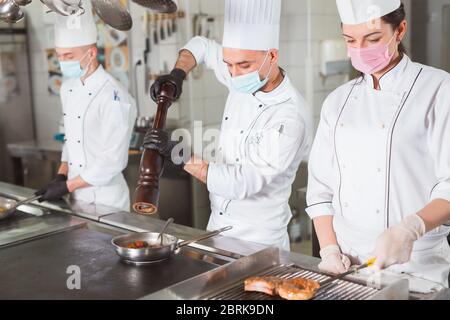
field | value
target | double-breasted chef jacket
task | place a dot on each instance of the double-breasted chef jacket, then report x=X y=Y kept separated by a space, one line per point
x=263 y=138
x=99 y=118
x=381 y=155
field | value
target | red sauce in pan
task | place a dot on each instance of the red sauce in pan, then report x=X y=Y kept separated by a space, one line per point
x=142 y=245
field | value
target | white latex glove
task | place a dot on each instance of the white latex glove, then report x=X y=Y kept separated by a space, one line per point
x=333 y=261
x=394 y=246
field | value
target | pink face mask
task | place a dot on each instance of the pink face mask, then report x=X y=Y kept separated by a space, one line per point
x=371 y=60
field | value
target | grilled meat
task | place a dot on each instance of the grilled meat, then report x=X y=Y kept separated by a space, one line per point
x=298 y=289
x=267 y=285
x=291 y=289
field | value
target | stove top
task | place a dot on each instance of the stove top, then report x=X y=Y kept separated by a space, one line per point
x=25 y=226
x=44 y=268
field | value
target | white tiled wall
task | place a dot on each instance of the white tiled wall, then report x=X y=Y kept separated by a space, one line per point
x=47 y=107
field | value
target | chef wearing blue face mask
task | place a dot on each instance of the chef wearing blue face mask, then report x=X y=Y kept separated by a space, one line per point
x=265 y=129
x=99 y=117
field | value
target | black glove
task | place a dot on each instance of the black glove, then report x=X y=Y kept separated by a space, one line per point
x=59 y=177
x=176 y=77
x=159 y=140
x=55 y=190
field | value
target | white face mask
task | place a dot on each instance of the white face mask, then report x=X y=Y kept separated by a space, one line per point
x=251 y=82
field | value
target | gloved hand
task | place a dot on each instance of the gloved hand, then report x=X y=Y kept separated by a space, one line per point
x=59 y=177
x=176 y=77
x=159 y=140
x=394 y=246
x=55 y=190
x=333 y=260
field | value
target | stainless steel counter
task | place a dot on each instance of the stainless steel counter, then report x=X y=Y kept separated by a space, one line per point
x=47 y=149
x=38 y=269
x=81 y=237
x=27 y=226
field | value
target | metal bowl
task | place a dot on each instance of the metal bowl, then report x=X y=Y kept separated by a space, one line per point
x=10 y=12
x=145 y=255
x=22 y=2
x=7 y=205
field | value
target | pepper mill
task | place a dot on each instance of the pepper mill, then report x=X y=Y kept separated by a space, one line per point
x=152 y=163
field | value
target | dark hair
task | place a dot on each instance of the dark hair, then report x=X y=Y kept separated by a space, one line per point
x=395 y=19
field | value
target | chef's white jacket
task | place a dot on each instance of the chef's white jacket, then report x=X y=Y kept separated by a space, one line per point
x=380 y=156
x=99 y=118
x=263 y=139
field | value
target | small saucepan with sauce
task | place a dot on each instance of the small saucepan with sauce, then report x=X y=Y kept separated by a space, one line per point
x=8 y=207
x=146 y=247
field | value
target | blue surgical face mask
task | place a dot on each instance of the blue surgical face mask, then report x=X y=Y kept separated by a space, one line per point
x=251 y=82
x=72 y=69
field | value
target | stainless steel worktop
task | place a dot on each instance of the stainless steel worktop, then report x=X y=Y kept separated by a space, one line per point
x=35 y=146
x=43 y=265
x=81 y=236
x=42 y=245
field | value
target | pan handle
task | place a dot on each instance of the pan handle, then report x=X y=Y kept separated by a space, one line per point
x=204 y=237
x=26 y=201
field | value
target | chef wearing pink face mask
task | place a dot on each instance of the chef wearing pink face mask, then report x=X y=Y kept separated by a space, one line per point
x=379 y=183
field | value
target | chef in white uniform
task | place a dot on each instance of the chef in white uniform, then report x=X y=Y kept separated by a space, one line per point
x=379 y=170
x=99 y=116
x=264 y=132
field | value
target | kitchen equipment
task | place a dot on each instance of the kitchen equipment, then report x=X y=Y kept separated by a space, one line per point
x=12 y=205
x=161 y=6
x=10 y=12
x=72 y=3
x=22 y=2
x=155 y=30
x=155 y=252
x=152 y=163
x=227 y=281
x=343 y=275
x=49 y=4
x=343 y=289
x=162 y=33
x=166 y=225
x=42 y=263
x=148 y=49
x=169 y=27
x=174 y=24
x=68 y=7
x=113 y=13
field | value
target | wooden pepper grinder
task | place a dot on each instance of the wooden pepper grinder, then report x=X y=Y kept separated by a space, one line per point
x=152 y=163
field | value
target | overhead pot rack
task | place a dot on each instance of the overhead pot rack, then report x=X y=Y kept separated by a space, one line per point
x=112 y=12
x=10 y=11
x=161 y=6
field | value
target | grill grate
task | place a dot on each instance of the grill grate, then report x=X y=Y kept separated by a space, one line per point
x=337 y=290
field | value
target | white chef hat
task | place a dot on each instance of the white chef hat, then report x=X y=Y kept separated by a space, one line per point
x=360 y=11
x=75 y=31
x=252 y=24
